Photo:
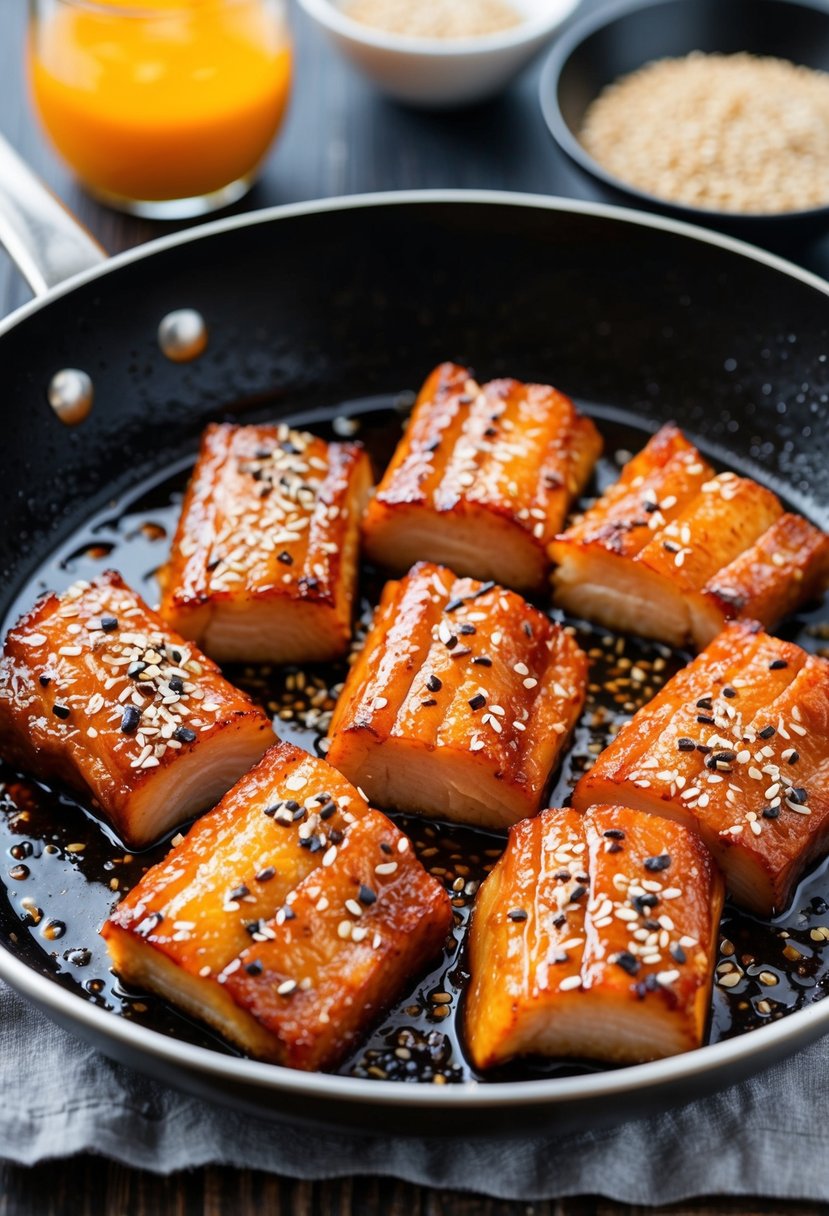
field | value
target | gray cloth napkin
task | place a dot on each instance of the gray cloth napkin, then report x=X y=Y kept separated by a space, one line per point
x=765 y=1137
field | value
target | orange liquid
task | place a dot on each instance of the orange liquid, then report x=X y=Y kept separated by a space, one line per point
x=175 y=104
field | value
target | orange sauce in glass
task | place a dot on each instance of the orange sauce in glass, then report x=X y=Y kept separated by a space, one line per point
x=161 y=99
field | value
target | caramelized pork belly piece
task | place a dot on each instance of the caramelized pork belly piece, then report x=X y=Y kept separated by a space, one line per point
x=264 y=562
x=292 y=831
x=593 y=937
x=785 y=568
x=97 y=692
x=482 y=480
x=737 y=746
x=673 y=552
x=460 y=702
x=361 y=930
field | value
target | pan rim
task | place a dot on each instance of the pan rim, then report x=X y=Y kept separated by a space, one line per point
x=389 y=198
x=766 y=1043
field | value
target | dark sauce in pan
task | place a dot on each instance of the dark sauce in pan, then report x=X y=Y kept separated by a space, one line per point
x=62 y=871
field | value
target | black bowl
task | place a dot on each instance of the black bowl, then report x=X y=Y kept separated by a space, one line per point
x=600 y=49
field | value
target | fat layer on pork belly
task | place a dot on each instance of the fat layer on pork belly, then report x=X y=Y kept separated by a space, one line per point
x=674 y=552
x=482 y=480
x=736 y=745
x=594 y=937
x=287 y=918
x=460 y=702
x=96 y=691
x=264 y=561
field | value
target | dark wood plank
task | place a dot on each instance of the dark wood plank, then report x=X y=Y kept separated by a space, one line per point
x=88 y=1186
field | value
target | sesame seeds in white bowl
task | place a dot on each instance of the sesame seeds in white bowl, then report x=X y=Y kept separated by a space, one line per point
x=439 y=53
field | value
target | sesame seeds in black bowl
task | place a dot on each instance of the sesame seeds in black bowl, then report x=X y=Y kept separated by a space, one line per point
x=671 y=106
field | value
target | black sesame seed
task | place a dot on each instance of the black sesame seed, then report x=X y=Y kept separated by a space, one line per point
x=466 y=630
x=266 y=875
x=366 y=895
x=335 y=836
x=482 y=590
x=613 y=846
x=766 y=733
x=704 y=703
x=176 y=684
x=528 y=629
x=478 y=701
x=288 y=913
x=729 y=692
x=184 y=734
x=109 y=623
x=660 y=862
x=651 y=924
x=685 y=744
x=794 y=757
x=451 y=642
x=577 y=893
x=704 y=720
x=239 y=892
x=516 y=914
x=559 y=920
x=482 y=661
x=454 y=605
x=285 y=558
x=771 y=812
x=614 y=834
x=271 y=810
x=130 y=719
x=299 y=814
x=627 y=961
x=45 y=681
x=678 y=954
x=134 y=670
x=328 y=810
x=434 y=684
x=386 y=848
x=291 y=805
x=176 y=656
x=60 y=711
x=429 y=702
x=798 y=796
x=778 y=665
x=563 y=875
x=254 y=968
x=641 y=902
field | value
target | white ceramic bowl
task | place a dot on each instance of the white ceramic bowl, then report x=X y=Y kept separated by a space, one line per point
x=441 y=72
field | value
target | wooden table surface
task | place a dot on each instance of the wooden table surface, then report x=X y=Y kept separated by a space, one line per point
x=340 y=138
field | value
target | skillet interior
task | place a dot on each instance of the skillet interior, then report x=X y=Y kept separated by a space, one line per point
x=633 y=318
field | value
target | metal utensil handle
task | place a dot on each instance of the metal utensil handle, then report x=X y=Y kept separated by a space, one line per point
x=44 y=241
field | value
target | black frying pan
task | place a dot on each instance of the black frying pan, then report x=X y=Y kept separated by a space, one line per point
x=311 y=305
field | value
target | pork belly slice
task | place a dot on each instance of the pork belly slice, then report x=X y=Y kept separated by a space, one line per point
x=265 y=878
x=460 y=703
x=482 y=480
x=236 y=866
x=363 y=927
x=673 y=552
x=97 y=692
x=263 y=566
x=736 y=746
x=594 y=937
x=787 y=567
